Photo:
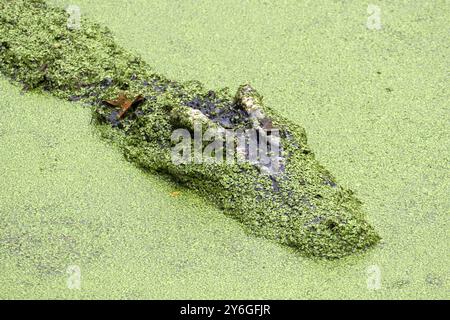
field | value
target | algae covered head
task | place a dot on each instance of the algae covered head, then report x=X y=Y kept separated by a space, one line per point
x=335 y=236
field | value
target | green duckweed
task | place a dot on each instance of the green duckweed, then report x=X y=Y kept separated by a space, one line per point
x=301 y=206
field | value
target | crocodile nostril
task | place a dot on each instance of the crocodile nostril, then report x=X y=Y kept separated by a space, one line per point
x=331 y=225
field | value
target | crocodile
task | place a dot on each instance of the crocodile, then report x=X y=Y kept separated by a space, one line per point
x=290 y=199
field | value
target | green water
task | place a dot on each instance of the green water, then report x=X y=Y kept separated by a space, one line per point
x=375 y=107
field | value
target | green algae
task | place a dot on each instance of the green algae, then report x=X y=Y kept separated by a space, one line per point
x=302 y=207
x=392 y=151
